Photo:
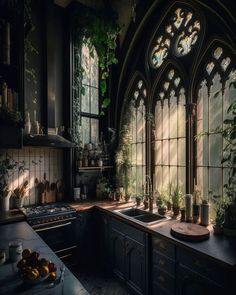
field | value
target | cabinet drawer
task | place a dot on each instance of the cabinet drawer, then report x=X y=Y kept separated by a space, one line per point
x=128 y=230
x=163 y=262
x=163 y=246
x=157 y=289
x=203 y=266
x=164 y=280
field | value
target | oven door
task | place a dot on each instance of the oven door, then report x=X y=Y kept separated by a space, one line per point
x=60 y=236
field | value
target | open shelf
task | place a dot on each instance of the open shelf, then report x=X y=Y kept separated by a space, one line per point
x=92 y=169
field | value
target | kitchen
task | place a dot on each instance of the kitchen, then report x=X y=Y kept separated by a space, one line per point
x=105 y=105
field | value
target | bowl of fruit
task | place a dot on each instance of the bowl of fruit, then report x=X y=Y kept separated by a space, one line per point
x=34 y=269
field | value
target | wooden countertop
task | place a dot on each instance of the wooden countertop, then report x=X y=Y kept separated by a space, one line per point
x=11 y=216
x=218 y=247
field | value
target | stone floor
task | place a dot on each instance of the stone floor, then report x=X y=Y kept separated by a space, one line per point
x=98 y=282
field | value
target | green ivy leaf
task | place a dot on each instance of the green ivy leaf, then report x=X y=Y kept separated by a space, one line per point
x=105 y=103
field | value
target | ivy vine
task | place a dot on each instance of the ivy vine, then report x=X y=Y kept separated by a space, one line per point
x=98 y=33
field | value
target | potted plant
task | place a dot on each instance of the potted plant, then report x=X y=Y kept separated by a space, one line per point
x=161 y=205
x=19 y=194
x=219 y=208
x=138 y=200
x=7 y=168
x=229 y=158
x=177 y=200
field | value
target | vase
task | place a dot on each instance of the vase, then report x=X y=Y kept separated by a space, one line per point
x=205 y=214
x=5 y=203
x=196 y=213
x=19 y=202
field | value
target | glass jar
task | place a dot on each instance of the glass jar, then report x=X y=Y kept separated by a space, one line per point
x=15 y=251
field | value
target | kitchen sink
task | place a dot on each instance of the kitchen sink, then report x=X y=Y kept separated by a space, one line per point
x=142 y=216
x=133 y=212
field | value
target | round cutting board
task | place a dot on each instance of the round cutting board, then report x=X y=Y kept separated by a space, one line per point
x=189 y=232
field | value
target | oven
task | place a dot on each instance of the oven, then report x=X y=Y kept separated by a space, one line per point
x=58 y=230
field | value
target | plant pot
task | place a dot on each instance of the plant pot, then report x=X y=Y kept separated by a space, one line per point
x=162 y=211
x=138 y=201
x=5 y=203
x=176 y=211
x=218 y=229
x=127 y=198
x=169 y=206
x=118 y=197
x=19 y=202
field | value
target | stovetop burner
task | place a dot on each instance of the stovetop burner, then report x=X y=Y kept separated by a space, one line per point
x=36 y=211
x=48 y=213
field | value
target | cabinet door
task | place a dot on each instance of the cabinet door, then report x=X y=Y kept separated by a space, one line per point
x=135 y=265
x=191 y=283
x=118 y=253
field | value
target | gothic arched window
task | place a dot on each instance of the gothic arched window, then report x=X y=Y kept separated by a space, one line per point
x=170 y=132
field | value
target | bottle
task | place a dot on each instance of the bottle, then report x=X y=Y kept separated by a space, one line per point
x=205 y=213
x=27 y=123
x=188 y=207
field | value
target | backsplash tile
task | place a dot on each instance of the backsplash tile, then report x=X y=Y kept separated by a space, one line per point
x=38 y=161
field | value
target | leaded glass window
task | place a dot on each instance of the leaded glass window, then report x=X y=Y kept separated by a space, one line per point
x=138 y=138
x=179 y=33
x=170 y=132
x=89 y=95
x=215 y=94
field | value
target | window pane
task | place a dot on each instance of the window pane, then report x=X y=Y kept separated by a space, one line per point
x=94 y=101
x=158 y=152
x=215 y=141
x=173 y=152
x=94 y=130
x=85 y=129
x=165 y=152
x=85 y=100
x=158 y=120
x=173 y=117
x=182 y=151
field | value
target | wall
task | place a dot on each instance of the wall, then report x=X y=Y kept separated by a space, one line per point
x=37 y=162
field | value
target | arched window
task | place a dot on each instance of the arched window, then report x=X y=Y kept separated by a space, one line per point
x=85 y=93
x=189 y=68
x=170 y=132
x=215 y=94
x=90 y=95
x=138 y=141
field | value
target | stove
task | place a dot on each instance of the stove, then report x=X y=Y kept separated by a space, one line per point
x=48 y=213
x=56 y=224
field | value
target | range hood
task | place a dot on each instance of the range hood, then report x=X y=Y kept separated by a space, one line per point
x=47 y=140
x=52 y=85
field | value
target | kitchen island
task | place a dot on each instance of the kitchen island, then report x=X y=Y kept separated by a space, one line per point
x=10 y=283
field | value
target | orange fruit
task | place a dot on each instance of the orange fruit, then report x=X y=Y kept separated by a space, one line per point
x=44 y=271
x=53 y=275
x=26 y=253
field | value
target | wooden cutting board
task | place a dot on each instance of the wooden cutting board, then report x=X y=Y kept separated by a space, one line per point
x=189 y=232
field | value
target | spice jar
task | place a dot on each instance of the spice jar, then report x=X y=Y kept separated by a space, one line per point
x=15 y=251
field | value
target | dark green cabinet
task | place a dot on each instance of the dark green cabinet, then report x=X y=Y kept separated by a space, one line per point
x=135 y=264
x=129 y=256
x=192 y=283
x=118 y=253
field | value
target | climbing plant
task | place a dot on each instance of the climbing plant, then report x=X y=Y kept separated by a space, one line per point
x=98 y=33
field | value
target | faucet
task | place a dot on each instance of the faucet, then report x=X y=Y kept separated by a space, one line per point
x=148 y=192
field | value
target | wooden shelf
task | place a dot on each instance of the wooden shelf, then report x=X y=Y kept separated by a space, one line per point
x=92 y=169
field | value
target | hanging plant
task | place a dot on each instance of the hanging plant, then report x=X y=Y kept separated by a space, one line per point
x=100 y=34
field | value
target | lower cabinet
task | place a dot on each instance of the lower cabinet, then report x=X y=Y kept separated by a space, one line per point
x=192 y=283
x=129 y=256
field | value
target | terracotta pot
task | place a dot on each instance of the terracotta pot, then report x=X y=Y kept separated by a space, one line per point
x=176 y=210
x=169 y=206
x=127 y=198
x=162 y=211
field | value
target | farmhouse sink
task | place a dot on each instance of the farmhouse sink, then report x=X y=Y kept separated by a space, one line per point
x=142 y=216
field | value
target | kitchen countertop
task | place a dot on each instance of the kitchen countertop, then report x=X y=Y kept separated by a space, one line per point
x=220 y=248
x=11 y=216
x=10 y=283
